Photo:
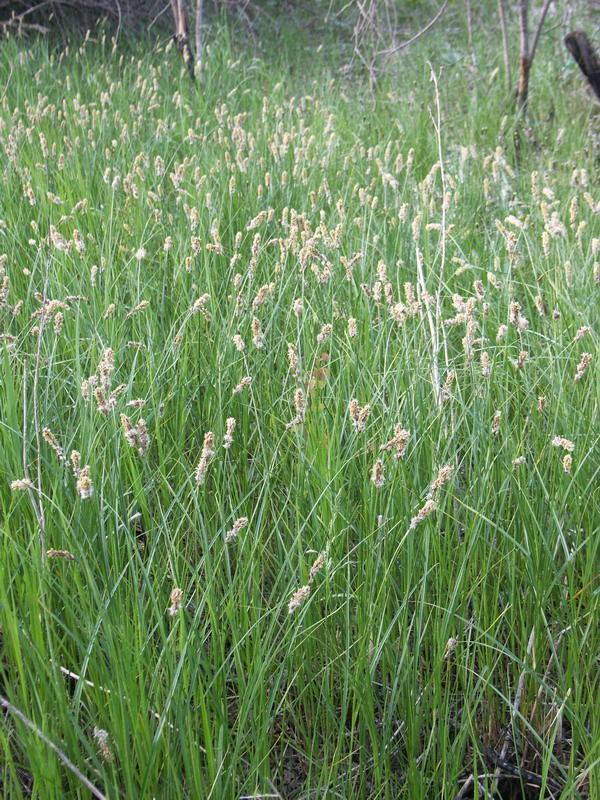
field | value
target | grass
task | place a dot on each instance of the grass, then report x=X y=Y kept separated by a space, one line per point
x=426 y=643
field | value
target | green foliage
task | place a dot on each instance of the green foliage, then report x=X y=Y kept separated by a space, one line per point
x=358 y=692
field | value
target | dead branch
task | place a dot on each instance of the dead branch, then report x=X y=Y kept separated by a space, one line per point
x=544 y=682
x=414 y=38
x=17 y=22
x=502 y=15
x=36 y=425
x=524 y=61
x=70 y=674
x=66 y=761
x=538 y=30
x=133 y=12
x=469 y=24
x=515 y=710
x=35 y=501
x=527 y=49
x=365 y=36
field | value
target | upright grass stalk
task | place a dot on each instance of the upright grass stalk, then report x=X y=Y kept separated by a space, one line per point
x=343 y=603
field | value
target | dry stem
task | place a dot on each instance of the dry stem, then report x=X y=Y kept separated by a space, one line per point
x=36 y=375
x=66 y=761
x=34 y=501
x=502 y=15
x=515 y=709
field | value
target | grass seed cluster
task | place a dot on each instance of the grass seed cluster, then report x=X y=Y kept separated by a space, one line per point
x=299 y=430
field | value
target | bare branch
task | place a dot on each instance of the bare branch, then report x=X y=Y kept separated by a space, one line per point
x=32 y=497
x=516 y=706
x=538 y=30
x=36 y=425
x=502 y=15
x=66 y=761
x=20 y=25
x=414 y=38
x=524 y=60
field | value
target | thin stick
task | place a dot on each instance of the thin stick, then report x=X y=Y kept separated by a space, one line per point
x=469 y=782
x=465 y=788
x=77 y=677
x=15 y=22
x=160 y=13
x=435 y=371
x=36 y=375
x=438 y=294
x=67 y=762
x=502 y=15
x=538 y=30
x=524 y=60
x=257 y=796
x=32 y=497
x=515 y=710
x=414 y=38
x=469 y=24
x=357 y=767
x=553 y=655
x=434 y=327
x=365 y=27
x=119 y=23
x=31 y=10
x=519 y=692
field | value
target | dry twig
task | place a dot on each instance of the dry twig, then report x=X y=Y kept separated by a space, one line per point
x=515 y=709
x=66 y=761
x=36 y=377
x=418 y=35
x=505 y=54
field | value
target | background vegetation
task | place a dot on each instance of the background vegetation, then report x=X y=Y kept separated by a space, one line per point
x=413 y=245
